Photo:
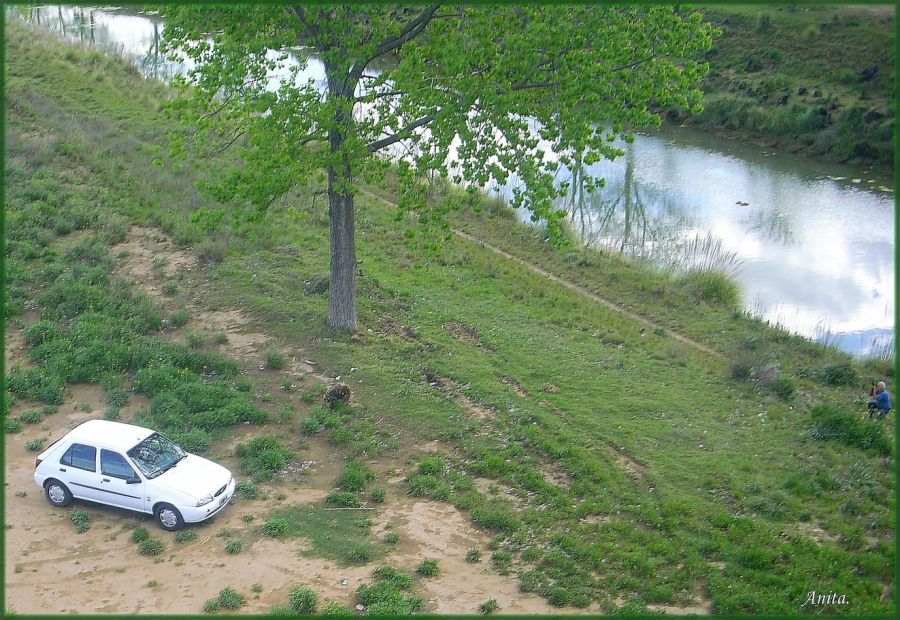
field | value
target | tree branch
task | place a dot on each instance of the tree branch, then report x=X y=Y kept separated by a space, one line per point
x=410 y=32
x=399 y=135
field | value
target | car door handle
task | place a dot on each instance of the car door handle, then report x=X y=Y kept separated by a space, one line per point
x=62 y=469
x=106 y=480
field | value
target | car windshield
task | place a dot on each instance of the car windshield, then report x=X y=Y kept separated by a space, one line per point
x=156 y=455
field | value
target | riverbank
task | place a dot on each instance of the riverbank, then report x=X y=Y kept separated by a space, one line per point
x=607 y=466
x=814 y=81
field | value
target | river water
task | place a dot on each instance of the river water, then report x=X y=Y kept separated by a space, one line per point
x=811 y=245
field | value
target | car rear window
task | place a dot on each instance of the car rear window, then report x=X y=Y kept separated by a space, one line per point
x=80 y=456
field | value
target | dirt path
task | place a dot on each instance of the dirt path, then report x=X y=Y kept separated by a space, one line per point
x=568 y=284
x=51 y=570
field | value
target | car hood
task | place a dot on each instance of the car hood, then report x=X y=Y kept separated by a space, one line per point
x=194 y=476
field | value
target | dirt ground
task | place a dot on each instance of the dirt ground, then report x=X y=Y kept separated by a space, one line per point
x=51 y=569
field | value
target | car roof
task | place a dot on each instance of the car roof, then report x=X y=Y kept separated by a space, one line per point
x=115 y=435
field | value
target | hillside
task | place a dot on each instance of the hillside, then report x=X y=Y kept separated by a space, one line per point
x=549 y=451
x=816 y=81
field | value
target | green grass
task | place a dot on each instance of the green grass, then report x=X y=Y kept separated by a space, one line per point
x=263 y=457
x=81 y=520
x=723 y=475
x=337 y=535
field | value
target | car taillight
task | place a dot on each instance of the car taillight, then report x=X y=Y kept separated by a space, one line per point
x=36 y=463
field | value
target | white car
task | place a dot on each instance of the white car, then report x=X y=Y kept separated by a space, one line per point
x=134 y=468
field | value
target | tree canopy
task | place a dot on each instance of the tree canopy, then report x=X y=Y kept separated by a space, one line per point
x=471 y=93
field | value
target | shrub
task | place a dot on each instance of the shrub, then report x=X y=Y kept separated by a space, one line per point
x=279 y=527
x=304 y=600
x=247 y=490
x=275 y=359
x=230 y=599
x=377 y=495
x=360 y=554
x=392 y=538
x=112 y=414
x=81 y=520
x=35 y=445
x=428 y=568
x=31 y=417
x=398 y=579
x=343 y=499
x=211 y=606
x=185 y=536
x=840 y=373
x=431 y=465
x=488 y=607
x=139 y=534
x=243 y=384
x=12 y=426
x=151 y=546
x=179 y=318
x=310 y=426
x=714 y=287
x=835 y=424
x=220 y=338
x=116 y=397
x=332 y=608
x=170 y=288
x=263 y=457
x=559 y=596
x=340 y=437
x=195 y=340
x=783 y=387
x=233 y=547
x=354 y=477
x=473 y=556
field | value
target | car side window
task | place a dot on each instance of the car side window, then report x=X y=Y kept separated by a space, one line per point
x=114 y=464
x=80 y=456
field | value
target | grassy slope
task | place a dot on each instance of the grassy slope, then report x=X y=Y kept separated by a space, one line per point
x=739 y=499
x=768 y=53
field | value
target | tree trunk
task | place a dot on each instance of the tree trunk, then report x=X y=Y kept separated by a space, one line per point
x=342 y=288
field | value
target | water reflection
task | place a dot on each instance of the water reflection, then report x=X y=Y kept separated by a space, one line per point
x=816 y=249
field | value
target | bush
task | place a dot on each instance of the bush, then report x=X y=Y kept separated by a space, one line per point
x=179 y=318
x=275 y=359
x=12 y=426
x=81 y=520
x=473 y=556
x=428 y=568
x=332 y=608
x=310 y=426
x=139 y=535
x=783 y=387
x=431 y=465
x=35 y=445
x=195 y=340
x=31 y=417
x=398 y=579
x=340 y=437
x=247 y=490
x=151 y=546
x=354 y=477
x=343 y=499
x=392 y=538
x=840 y=373
x=116 y=397
x=360 y=554
x=377 y=495
x=263 y=457
x=233 y=547
x=711 y=286
x=279 y=527
x=488 y=607
x=304 y=600
x=230 y=599
x=185 y=536
x=835 y=424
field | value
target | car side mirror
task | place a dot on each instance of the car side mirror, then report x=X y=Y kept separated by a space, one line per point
x=133 y=480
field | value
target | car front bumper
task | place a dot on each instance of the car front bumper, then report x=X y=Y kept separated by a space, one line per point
x=194 y=514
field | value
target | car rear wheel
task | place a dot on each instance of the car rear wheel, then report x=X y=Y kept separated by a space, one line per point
x=168 y=517
x=57 y=493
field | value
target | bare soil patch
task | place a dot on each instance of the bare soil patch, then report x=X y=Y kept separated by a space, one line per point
x=468 y=334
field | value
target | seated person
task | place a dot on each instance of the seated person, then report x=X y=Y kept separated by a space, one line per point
x=879 y=401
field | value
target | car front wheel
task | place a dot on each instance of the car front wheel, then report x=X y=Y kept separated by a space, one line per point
x=57 y=493
x=168 y=517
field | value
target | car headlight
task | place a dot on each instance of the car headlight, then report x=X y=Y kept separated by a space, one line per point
x=203 y=501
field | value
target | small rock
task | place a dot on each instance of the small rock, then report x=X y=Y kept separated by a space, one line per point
x=344 y=583
x=360 y=608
